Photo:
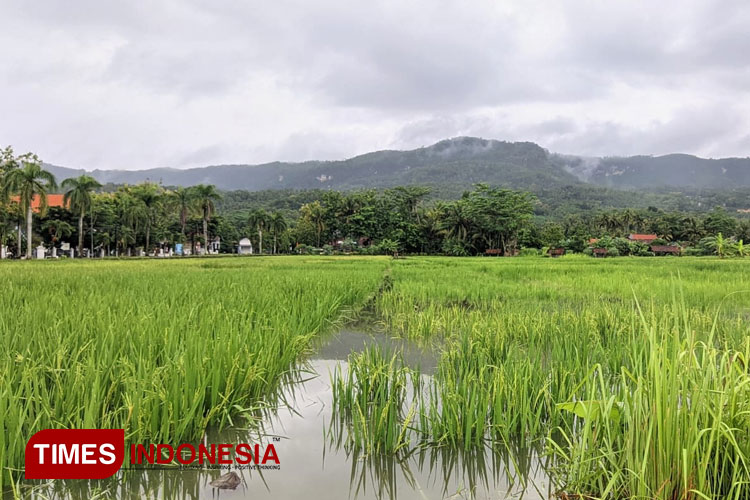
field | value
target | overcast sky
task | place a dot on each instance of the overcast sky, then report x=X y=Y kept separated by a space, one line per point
x=145 y=83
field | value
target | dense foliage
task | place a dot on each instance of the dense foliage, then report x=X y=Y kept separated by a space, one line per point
x=127 y=220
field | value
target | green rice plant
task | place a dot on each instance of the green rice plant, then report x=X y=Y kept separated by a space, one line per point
x=677 y=425
x=546 y=352
x=163 y=349
x=370 y=401
x=630 y=400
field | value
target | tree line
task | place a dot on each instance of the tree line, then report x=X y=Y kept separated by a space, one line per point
x=122 y=220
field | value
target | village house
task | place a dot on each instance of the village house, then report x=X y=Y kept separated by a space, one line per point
x=665 y=249
x=600 y=252
x=53 y=200
x=642 y=238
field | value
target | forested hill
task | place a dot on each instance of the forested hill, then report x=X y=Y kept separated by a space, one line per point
x=675 y=170
x=451 y=165
x=460 y=163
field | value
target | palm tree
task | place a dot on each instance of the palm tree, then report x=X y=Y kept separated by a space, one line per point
x=314 y=213
x=27 y=182
x=150 y=195
x=184 y=200
x=205 y=196
x=691 y=229
x=78 y=198
x=260 y=220
x=455 y=221
x=57 y=229
x=131 y=213
x=105 y=239
x=278 y=225
x=127 y=238
x=638 y=221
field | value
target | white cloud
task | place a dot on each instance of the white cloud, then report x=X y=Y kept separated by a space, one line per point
x=187 y=83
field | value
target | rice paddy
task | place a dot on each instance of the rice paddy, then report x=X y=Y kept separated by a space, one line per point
x=161 y=349
x=628 y=378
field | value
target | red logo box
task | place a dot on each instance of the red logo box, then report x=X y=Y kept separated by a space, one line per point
x=74 y=453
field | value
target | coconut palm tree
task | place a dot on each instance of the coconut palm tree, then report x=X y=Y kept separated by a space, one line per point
x=455 y=221
x=78 y=198
x=57 y=229
x=260 y=220
x=105 y=239
x=27 y=182
x=205 y=196
x=691 y=229
x=150 y=195
x=127 y=238
x=183 y=199
x=278 y=225
x=314 y=213
x=131 y=213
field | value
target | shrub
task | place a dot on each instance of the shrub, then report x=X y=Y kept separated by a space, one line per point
x=575 y=245
x=639 y=249
x=455 y=247
x=622 y=245
x=694 y=252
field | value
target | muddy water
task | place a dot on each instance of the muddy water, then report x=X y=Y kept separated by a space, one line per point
x=314 y=467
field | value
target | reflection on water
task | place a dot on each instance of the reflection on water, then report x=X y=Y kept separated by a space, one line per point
x=314 y=467
x=347 y=341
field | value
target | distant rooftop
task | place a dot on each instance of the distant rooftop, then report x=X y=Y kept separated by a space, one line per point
x=53 y=200
x=642 y=237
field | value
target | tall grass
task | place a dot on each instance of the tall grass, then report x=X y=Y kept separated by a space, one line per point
x=370 y=401
x=675 y=426
x=631 y=401
x=161 y=349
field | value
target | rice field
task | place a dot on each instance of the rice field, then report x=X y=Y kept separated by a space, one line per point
x=629 y=376
x=632 y=375
x=162 y=349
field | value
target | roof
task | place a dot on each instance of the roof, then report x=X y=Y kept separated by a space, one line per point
x=244 y=242
x=642 y=237
x=53 y=200
x=665 y=249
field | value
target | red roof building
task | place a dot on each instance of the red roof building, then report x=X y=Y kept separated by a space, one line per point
x=53 y=200
x=643 y=238
x=665 y=249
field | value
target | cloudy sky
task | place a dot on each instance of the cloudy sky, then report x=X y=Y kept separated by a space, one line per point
x=145 y=83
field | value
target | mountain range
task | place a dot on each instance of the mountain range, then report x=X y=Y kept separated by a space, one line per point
x=455 y=163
